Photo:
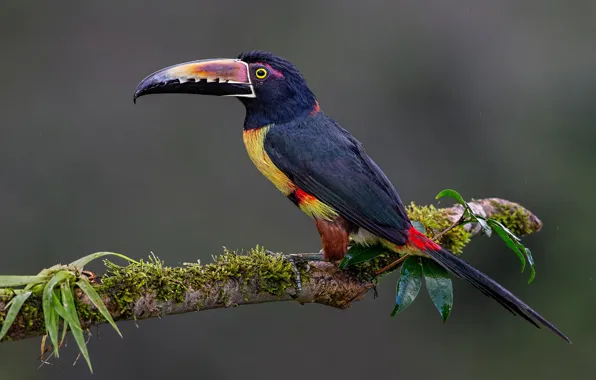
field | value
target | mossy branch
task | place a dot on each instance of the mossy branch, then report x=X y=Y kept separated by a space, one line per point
x=150 y=289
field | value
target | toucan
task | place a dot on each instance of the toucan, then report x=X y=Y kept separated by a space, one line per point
x=317 y=164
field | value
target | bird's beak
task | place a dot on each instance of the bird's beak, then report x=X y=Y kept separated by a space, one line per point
x=221 y=77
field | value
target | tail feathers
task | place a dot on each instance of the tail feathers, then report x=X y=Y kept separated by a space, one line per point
x=490 y=287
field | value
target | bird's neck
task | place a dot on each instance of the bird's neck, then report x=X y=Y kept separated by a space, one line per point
x=259 y=114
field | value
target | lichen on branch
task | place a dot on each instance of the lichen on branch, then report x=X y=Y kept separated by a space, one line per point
x=147 y=289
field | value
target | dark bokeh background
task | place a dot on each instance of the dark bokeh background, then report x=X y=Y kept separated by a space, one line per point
x=489 y=98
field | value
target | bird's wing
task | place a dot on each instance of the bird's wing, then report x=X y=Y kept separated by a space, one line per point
x=324 y=160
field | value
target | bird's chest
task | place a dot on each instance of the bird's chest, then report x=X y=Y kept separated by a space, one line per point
x=254 y=140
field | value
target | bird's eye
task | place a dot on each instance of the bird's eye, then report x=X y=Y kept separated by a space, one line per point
x=261 y=73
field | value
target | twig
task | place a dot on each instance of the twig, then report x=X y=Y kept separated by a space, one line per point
x=457 y=223
x=392 y=265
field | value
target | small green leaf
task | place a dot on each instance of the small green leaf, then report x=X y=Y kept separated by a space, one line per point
x=86 y=287
x=361 y=253
x=12 y=281
x=15 y=306
x=508 y=238
x=516 y=246
x=49 y=313
x=68 y=312
x=419 y=226
x=531 y=261
x=484 y=225
x=438 y=284
x=408 y=285
x=80 y=263
x=64 y=331
x=453 y=194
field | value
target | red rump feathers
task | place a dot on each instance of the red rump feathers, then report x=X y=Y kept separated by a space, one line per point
x=421 y=241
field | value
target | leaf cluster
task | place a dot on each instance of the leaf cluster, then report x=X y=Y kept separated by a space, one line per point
x=490 y=225
x=56 y=284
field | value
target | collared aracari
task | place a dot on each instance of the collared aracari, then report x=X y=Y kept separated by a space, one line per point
x=317 y=164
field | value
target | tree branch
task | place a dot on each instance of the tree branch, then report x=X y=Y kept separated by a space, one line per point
x=150 y=289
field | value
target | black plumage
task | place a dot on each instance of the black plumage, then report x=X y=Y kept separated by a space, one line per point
x=326 y=161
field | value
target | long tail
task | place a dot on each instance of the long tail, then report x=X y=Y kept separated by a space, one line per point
x=482 y=282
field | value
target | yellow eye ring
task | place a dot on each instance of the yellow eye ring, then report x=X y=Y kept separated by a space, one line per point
x=261 y=73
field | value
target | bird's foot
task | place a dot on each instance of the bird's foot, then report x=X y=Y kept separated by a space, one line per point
x=308 y=256
x=296 y=259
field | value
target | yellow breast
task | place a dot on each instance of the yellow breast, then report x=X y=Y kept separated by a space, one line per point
x=254 y=140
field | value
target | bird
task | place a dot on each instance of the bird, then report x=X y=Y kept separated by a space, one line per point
x=318 y=165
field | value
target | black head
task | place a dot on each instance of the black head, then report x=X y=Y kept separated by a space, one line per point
x=281 y=91
x=271 y=88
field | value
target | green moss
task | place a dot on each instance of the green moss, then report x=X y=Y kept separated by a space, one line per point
x=271 y=273
x=30 y=317
x=87 y=312
x=366 y=271
x=436 y=221
x=514 y=217
x=29 y=312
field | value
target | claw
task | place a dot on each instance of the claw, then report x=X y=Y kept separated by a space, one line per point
x=308 y=256
x=299 y=258
x=292 y=260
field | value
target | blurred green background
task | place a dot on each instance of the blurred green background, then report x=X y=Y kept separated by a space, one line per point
x=489 y=98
